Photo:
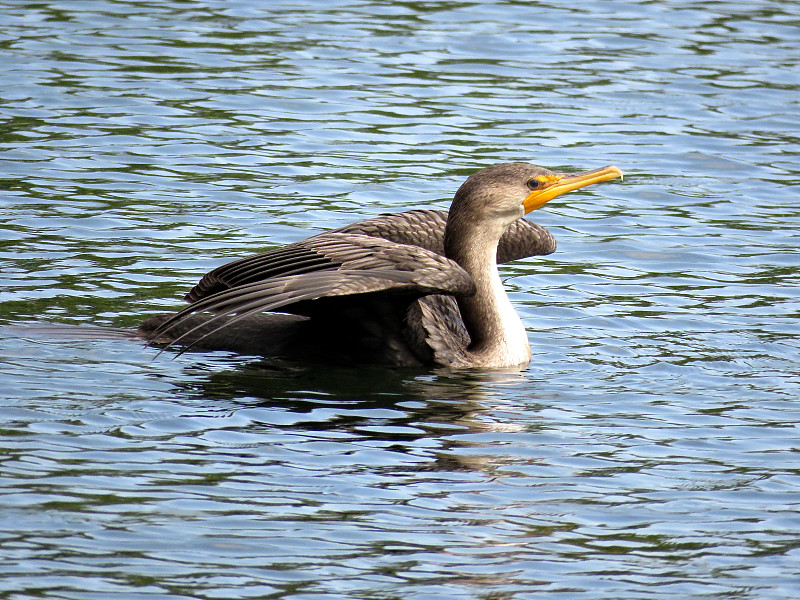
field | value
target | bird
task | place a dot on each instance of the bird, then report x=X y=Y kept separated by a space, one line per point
x=415 y=288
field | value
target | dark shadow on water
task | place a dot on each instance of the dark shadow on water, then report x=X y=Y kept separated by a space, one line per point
x=389 y=404
x=425 y=396
x=391 y=408
x=277 y=381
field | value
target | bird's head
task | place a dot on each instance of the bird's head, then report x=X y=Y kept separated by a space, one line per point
x=504 y=193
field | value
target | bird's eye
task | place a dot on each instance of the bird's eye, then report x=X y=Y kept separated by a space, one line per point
x=533 y=184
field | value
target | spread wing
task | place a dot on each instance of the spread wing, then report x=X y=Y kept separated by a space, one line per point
x=311 y=276
x=395 y=254
x=422 y=228
x=425 y=228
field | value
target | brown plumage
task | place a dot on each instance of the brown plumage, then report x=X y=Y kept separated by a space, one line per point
x=412 y=288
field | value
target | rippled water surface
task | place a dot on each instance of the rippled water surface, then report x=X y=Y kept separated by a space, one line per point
x=651 y=449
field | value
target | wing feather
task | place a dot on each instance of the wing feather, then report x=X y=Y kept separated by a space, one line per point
x=397 y=253
x=326 y=251
x=366 y=265
x=425 y=228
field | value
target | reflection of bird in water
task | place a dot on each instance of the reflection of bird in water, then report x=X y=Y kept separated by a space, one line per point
x=412 y=288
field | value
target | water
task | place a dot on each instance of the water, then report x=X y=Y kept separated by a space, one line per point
x=650 y=450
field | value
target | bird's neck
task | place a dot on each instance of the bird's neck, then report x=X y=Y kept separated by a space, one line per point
x=498 y=336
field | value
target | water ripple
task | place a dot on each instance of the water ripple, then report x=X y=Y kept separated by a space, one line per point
x=649 y=451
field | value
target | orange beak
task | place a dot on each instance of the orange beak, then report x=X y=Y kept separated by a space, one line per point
x=555 y=185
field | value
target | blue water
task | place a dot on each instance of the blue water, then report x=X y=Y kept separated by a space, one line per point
x=649 y=451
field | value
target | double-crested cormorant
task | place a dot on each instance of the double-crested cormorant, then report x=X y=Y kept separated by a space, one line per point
x=412 y=288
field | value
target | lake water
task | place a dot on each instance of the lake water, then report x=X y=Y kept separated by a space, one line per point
x=651 y=449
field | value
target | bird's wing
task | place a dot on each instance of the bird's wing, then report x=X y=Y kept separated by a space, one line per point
x=293 y=259
x=422 y=228
x=306 y=276
x=425 y=228
x=524 y=239
x=437 y=330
